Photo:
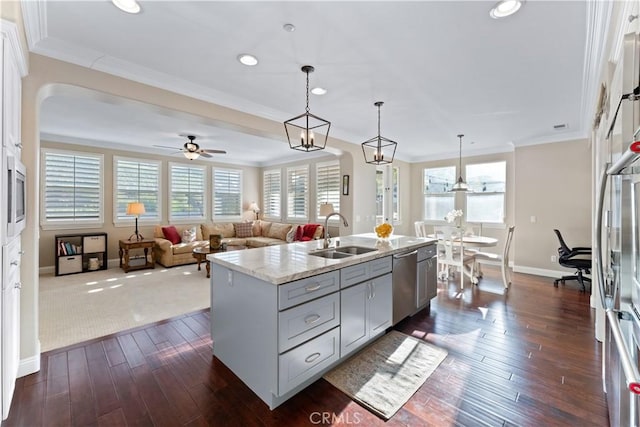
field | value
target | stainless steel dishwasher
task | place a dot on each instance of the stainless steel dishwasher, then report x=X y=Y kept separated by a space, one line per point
x=414 y=281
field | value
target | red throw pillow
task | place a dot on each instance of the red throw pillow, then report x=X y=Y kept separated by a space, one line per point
x=171 y=234
x=299 y=234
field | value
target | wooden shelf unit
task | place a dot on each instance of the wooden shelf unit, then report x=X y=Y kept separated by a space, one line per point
x=73 y=252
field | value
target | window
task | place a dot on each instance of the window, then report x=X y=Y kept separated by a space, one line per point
x=227 y=193
x=298 y=192
x=438 y=200
x=186 y=192
x=136 y=181
x=486 y=201
x=328 y=186
x=387 y=193
x=272 y=193
x=72 y=189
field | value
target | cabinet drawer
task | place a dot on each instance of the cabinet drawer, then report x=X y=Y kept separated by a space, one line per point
x=362 y=272
x=353 y=274
x=306 y=321
x=93 y=244
x=307 y=360
x=380 y=266
x=70 y=264
x=303 y=290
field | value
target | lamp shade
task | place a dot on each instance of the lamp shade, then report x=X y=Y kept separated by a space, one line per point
x=326 y=209
x=254 y=207
x=135 y=208
x=191 y=155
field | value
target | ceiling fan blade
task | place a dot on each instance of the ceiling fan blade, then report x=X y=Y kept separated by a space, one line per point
x=214 y=151
x=203 y=154
x=164 y=146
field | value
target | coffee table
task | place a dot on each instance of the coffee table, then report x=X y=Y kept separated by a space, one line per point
x=200 y=254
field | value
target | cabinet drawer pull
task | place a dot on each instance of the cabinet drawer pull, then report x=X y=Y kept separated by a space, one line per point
x=14 y=262
x=311 y=288
x=21 y=253
x=18 y=285
x=312 y=357
x=312 y=319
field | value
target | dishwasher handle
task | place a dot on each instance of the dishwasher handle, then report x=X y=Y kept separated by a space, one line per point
x=405 y=255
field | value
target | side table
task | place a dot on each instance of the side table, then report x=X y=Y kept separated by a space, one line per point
x=127 y=245
x=200 y=254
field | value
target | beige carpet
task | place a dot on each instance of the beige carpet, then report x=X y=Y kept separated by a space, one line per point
x=79 y=307
x=384 y=375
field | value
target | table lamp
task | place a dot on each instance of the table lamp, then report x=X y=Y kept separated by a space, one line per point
x=137 y=209
x=254 y=207
x=326 y=209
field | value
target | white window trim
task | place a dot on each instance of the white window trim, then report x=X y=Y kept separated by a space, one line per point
x=265 y=215
x=307 y=199
x=63 y=224
x=205 y=198
x=319 y=194
x=213 y=190
x=490 y=224
x=126 y=223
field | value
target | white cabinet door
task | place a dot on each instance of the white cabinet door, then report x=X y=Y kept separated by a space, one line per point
x=380 y=305
x=354 y=330
x=12 y=92
x=10 y=321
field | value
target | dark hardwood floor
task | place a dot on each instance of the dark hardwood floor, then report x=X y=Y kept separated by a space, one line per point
x=524 y=358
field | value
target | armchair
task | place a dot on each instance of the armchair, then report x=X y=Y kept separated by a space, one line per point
x=578 y=258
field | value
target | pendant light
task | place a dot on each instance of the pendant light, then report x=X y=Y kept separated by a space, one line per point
x=379 y=150
x=307 y=132
x=460 y=185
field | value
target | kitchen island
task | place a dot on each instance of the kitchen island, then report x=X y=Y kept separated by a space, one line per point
x=281 y=316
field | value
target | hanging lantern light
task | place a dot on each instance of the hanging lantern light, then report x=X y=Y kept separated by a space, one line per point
x=379 y=150
x=307 y=132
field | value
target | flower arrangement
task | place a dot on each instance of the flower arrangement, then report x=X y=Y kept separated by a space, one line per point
x=453 y=215
x=384 y=230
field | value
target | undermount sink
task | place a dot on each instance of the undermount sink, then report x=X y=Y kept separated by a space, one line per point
x=332 y=253
x=354 y=250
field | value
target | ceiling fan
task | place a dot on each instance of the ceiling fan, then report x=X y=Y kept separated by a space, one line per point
x=192 y=150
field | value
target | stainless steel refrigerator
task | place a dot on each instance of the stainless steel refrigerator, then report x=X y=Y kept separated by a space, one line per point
x=618 y=248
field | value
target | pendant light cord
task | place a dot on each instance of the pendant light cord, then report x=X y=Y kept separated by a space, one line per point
x=307 y=109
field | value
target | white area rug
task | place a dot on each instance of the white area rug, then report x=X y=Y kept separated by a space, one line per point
x=79 y=307
x=384 y=375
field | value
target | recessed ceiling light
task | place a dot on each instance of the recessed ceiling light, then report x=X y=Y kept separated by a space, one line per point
x=129 y=6
x=289 y=28
x=247 y=59
x=504 y=8
x=318 y=91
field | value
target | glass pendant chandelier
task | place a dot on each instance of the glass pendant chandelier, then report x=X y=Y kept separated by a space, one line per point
x=379 y=150
x=307 y=132
x=460 y=185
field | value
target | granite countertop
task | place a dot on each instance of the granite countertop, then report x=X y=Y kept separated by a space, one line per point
x=284 y=263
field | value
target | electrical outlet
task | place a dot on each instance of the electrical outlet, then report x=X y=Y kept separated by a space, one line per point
x=553 y=258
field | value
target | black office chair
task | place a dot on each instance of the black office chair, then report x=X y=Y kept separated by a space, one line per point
x=578 y=258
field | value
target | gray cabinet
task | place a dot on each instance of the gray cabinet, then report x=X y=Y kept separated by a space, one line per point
x=365 y=312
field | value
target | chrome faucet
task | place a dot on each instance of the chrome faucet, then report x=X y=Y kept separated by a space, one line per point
x=327 y=238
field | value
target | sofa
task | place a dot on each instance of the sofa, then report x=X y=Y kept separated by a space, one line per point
x=174 y=245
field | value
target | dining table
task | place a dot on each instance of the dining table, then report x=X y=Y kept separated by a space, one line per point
x=470 y=242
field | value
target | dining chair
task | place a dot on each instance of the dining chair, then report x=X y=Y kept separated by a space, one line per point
x=503 y=258
x=451 y=255
x=421 y=228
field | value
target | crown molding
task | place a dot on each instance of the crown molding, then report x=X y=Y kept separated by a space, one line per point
x=627 y=9
x=34 y=14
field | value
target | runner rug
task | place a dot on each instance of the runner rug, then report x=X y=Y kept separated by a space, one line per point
x=383 y=376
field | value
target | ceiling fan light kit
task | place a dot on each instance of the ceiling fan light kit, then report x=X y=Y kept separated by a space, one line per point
x=379 y=150
x=307 y=132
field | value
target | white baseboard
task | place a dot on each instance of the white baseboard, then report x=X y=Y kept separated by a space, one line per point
x=540 y=271
x=50 y=269
x=30 y=365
